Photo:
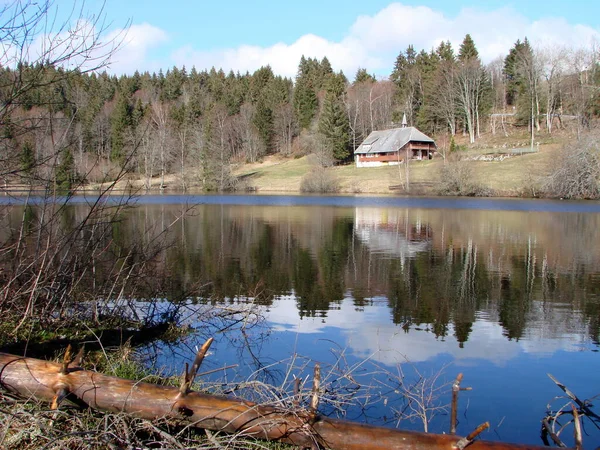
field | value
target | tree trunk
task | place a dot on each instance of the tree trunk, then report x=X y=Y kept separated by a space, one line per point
x=53 y=382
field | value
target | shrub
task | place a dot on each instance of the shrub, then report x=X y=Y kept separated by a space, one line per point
x=456 y=179
x=319 y=181
x=576 y=175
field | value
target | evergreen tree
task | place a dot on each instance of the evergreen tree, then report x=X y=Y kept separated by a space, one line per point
x=264 y=122
x=511 y=70
x=333 y=122
x=363 y=76
x=305 y=97
x=259 y=81
x=65 y=171
x=27 y=159
x=407 y=77
x=517 y=69
x=468 y=51
x=121 y=121
x=445 y=52
x=453 y=146
x=427 y=65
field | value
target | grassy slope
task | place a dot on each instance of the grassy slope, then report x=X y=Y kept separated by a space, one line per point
x=509 y=177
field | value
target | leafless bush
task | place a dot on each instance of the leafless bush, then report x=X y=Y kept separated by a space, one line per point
x=312 y=144
x=320 y=180
x=577 y=174
x=569 y=414
x=456 y=178
x=27 y=425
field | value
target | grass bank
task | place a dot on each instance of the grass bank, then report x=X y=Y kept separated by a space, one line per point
x=514 y=175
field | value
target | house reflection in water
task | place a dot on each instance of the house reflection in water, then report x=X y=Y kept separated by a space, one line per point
x=392 y=232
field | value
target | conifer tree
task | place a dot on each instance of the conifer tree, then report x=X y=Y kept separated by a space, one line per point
x=511 y=70
x=407 y=77
x=333 y=122
x=264 y=122
x=305 y=96
x=468 y=51
x=121 y=121
x=65 y=171
x=363 y=76
x=27 y=159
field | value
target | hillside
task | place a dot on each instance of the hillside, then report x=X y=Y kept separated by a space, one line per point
x=507 y=176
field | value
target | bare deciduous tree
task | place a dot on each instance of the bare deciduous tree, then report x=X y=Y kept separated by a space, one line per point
x=160 y=123
x=285 y=128
x=553 y=64
x=470 y=86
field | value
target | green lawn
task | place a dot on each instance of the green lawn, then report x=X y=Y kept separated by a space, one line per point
x=509 y=177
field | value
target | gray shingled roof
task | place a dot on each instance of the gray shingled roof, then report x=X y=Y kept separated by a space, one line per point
x=386 y=141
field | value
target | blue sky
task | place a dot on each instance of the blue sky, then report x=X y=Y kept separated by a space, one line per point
x=243 y=35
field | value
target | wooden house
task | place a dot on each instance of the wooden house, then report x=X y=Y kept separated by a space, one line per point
x=391 y=147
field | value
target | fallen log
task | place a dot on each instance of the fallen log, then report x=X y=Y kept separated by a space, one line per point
x=54 y=382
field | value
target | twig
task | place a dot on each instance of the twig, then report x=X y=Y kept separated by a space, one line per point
x=577 y=429
x=314 y=402
x=552 y=434
x=453 y=412
x=572 y=396
x=189 y=376
x=67 y=359
x=296 y=398
x=466 y=441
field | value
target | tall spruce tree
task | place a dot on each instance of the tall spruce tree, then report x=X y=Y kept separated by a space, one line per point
x=511 y=71
x=407 y=77
x=362 y=76
x=333 y=121
x=27 y=159
x=305 y=97
x=264 y=122
x=468 y=50
x=121 y=121
x=65 y=171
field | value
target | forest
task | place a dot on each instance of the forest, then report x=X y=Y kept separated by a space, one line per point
x=64 y=128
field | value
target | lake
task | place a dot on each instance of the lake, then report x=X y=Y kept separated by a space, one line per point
x=384 y=292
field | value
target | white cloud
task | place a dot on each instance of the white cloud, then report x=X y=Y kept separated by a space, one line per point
x=83 y=45
x=374 y=41
x=371 y=334
x=136 y=48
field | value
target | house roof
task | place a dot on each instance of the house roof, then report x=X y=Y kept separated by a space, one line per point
x=386 y=141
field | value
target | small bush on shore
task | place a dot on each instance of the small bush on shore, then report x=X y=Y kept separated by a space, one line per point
x=577 y=174
x=319 y=181
x=456 y=178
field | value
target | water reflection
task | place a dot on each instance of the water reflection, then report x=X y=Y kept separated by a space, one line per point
x=506 y=295
x=531 y=273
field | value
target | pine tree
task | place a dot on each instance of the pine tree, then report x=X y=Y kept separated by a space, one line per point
x=468 y=51
x=65 y=171
x=516 y=72
x=259 y=81
x=333 y=122
x=305 y=97
x=264 y=122
x=120 y=121
x=27 y=159
x=407 y=77
x=363 y=76
x=453 y=146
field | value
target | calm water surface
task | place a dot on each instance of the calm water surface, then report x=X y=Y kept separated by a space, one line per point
x=504 y=291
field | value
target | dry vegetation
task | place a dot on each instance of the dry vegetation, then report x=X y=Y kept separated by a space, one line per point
x=517 y=175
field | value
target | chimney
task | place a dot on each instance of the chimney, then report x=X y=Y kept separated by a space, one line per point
x=404 y=123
